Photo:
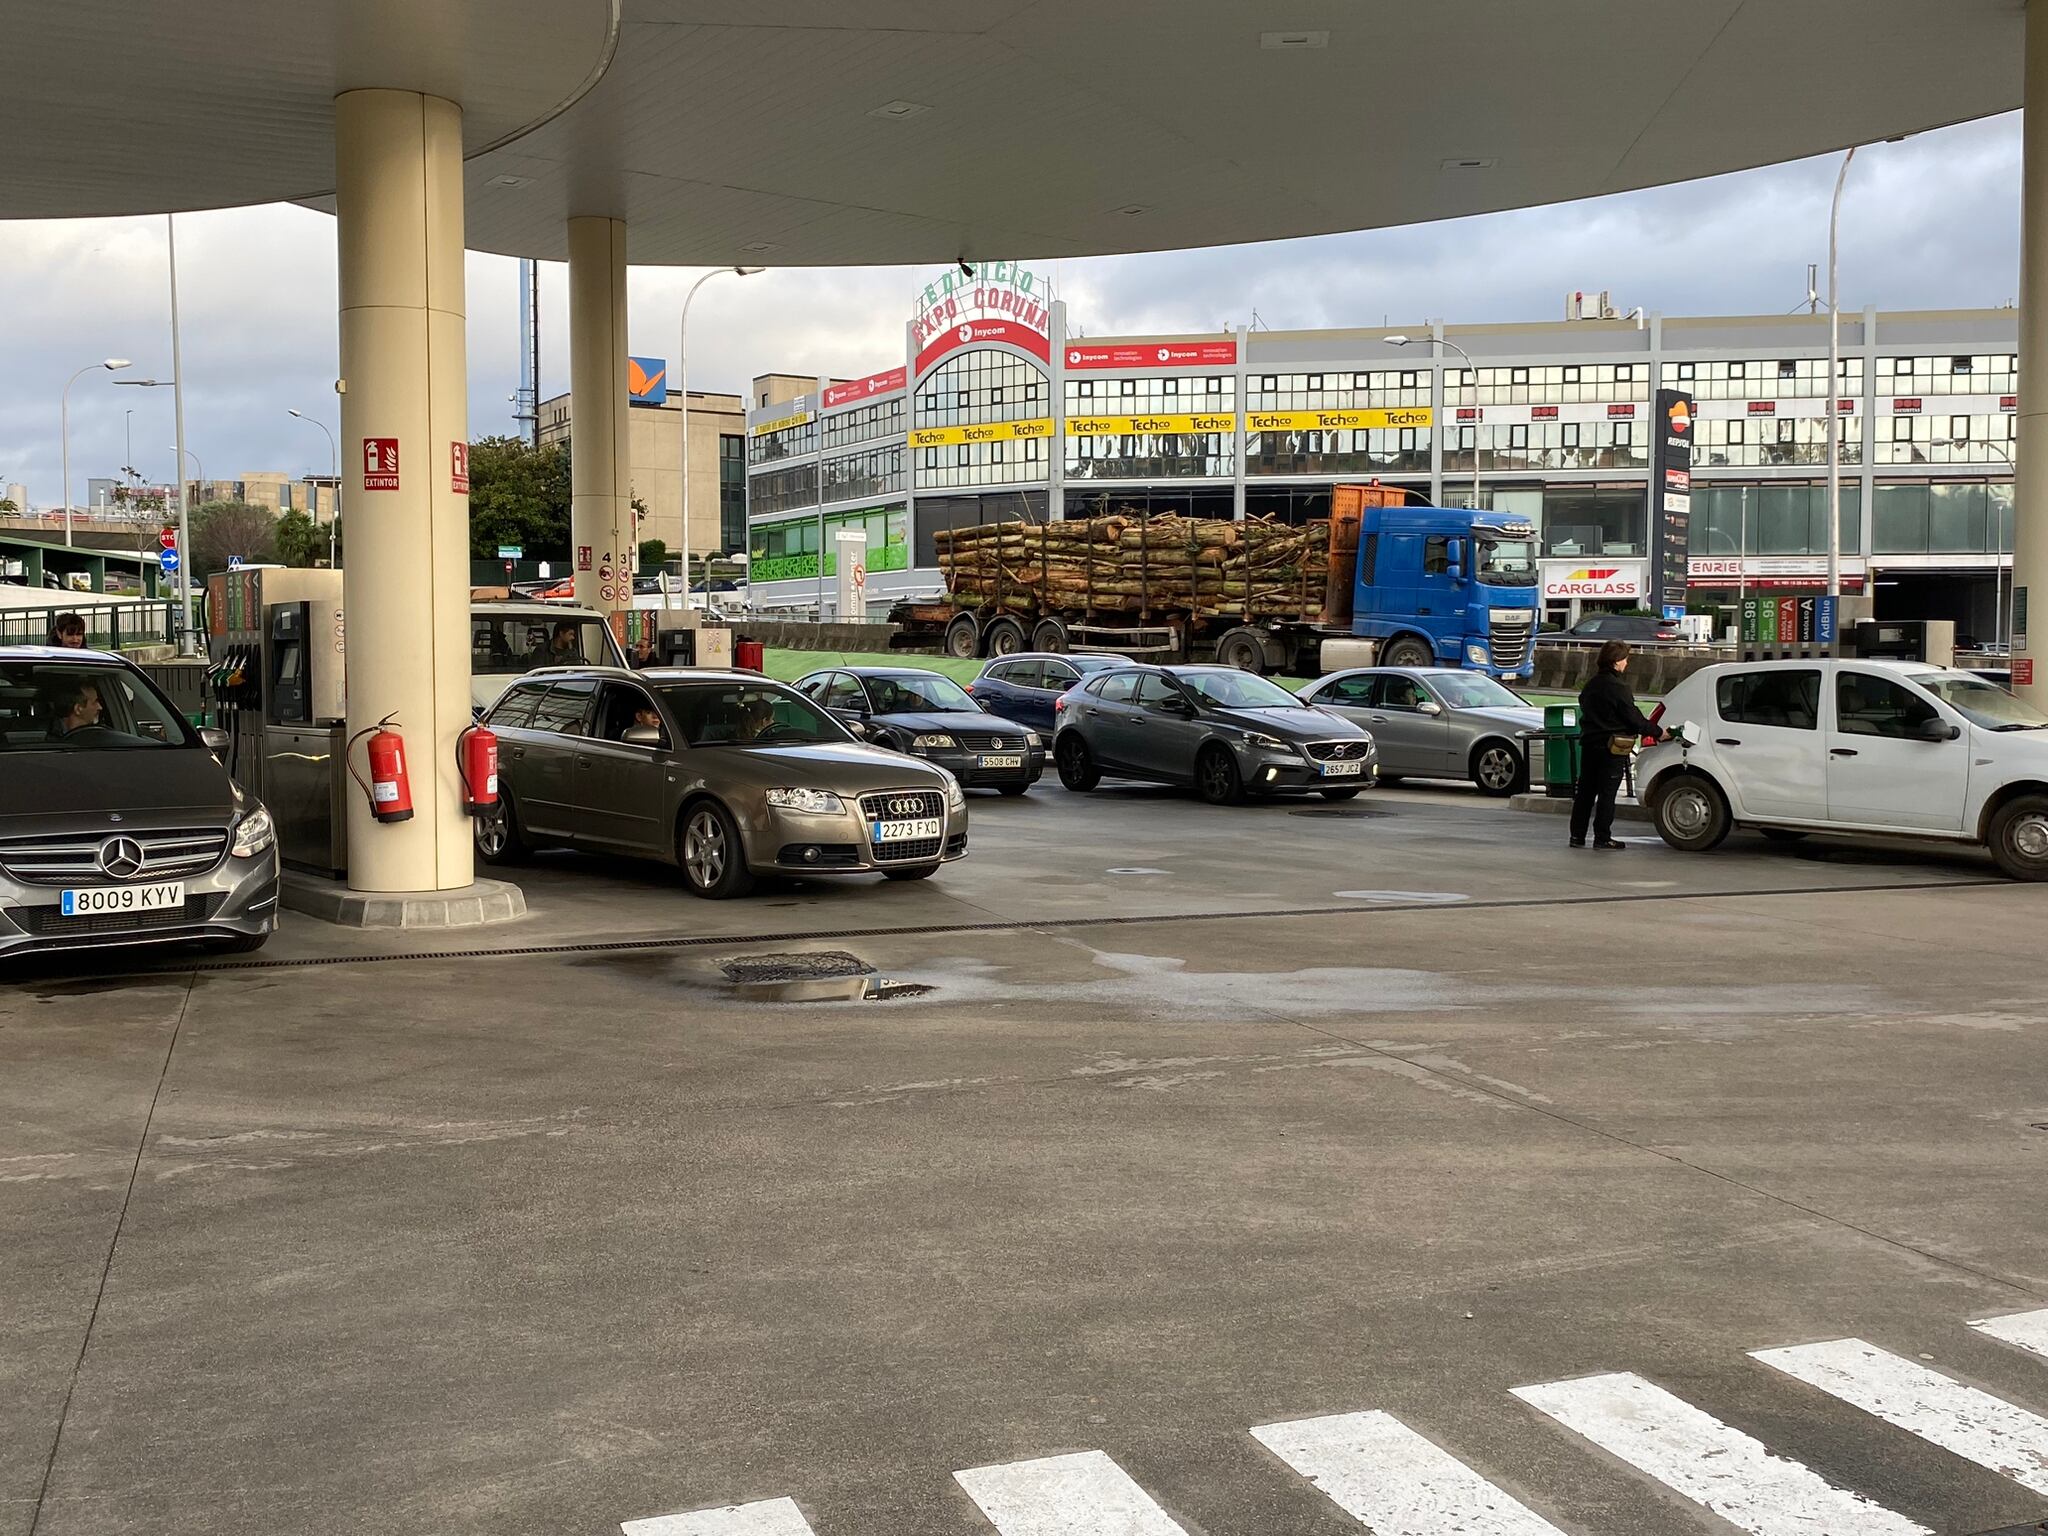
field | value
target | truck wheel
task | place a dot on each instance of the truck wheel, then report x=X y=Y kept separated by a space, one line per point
x=1005 y=637
x=963 y=638
x=2019 y=838
x=1498 y=769
x=1216 y=776
x=1243 y=649
x=1690 y=813
x=1408 y=652
x=1050 y=635
x=1076 y=764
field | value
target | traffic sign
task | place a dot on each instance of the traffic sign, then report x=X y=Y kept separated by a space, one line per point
x=234 y=562
x=167 y=562
x=511 y=552
x=168 y=538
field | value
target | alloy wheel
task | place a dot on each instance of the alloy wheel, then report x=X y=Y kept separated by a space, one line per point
x=704 y=849
x=491 y=832
x=1498 y=768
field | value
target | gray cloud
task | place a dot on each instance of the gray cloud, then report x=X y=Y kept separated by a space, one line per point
x=1929 y=223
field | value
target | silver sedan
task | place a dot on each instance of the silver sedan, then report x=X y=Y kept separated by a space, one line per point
x=1436 y=723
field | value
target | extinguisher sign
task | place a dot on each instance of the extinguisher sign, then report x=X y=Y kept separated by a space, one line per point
x=582 y=557
x=458 y=468
x=380 y=463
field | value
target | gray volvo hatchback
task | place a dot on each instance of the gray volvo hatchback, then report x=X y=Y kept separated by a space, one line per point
x=118 y=824
x=725 y=774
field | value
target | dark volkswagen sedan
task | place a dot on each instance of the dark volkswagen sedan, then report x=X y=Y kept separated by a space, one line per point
x=118 y=825
x=931 y=716
x=1227 y=733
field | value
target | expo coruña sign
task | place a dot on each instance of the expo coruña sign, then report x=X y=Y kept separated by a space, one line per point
x=1000 y=302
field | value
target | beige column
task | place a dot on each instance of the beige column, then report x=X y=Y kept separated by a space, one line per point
x=600 y=450
x=2030 y=469
x=398 y=208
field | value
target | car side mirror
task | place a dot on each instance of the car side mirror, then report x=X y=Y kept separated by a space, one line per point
x=1178 y=706
x=1429 y=707
x=641 y=735
x=214 y=739
x=859 y=729
x=1936 y=729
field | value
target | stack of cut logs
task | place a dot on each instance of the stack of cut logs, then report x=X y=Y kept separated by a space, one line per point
x=1207 y=567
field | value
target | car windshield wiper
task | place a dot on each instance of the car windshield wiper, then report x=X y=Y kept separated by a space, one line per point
x=2022 y=725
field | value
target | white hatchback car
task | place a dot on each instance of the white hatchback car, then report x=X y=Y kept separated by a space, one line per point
x=1892 y=747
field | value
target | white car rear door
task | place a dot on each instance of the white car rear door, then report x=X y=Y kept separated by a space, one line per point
x=1769 y=742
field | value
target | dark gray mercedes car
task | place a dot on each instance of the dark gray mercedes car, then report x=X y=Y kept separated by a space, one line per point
x=724 y=774
x=1227 y=733
x=118 y=824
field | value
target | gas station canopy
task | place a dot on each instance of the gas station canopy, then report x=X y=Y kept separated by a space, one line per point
x=834 y=132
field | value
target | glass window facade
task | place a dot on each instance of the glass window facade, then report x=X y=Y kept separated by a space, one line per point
x=1993 y=373
x=1774 y=519
x=789 y=550
x=1945 y=517
x=1152 y=455
x=1548 y=445
x=1783 y=378
x=1937 y=437
x=859 y=476
x=1548 y=384
x=1007 y=462
x=983 y=386
x=1348 y=451
x=732 y=491
x=1147 y=396
x=863 y=422
x=789 y=443
x=1759 y=440
x=1378 y=389
x=781 y=489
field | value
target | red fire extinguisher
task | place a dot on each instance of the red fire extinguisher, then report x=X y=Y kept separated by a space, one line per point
x=476 y=761
x=389 y=789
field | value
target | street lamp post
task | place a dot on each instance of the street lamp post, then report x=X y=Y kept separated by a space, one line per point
x=1409 y=341
x=334 y=474
x=683 y=384
x=1835 y=390
x=2000 y=631
x=64 y=429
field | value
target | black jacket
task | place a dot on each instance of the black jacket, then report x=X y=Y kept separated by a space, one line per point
x=1607 y=708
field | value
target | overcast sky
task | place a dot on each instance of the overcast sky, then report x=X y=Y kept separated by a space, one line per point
x=1929 y=223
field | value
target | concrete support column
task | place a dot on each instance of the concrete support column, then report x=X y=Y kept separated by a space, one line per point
x=398 y=225
x=600 y=451
x=2030 y=477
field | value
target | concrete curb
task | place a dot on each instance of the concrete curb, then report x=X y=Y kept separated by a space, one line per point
x=1543 y=805
x=473 y=906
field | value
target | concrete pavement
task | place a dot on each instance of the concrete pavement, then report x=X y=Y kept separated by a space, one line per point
x=555 y=1241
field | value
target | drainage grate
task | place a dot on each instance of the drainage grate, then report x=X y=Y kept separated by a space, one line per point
x=2038 y=1528
x=1343 y=812
x=821 y=965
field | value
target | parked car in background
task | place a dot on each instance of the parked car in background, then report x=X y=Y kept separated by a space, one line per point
x=930 y=716
x=1226 y=733
x=1894 y=747
x=118 y=824
x=1599 y=628
x=724 y=774
x=1436 y=723
x=1025 y=688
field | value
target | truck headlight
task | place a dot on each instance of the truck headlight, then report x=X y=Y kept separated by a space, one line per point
x=1478 y=655
x=1265 y=743
x=253 y=834
x=944 y=743
x=812 y=802
x=956 y=797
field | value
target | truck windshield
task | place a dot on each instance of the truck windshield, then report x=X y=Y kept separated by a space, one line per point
x=1507 y=562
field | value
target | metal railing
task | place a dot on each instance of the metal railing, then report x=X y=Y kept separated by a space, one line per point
x=108 y=627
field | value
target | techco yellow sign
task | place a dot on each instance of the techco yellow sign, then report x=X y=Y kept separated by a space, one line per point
x=983 y=432
x=1119 y=426
x=1337 y=421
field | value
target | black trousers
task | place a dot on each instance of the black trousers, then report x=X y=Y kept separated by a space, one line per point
x=1600 y=776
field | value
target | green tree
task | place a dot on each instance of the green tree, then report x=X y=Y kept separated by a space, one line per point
x=300 y=540
x=224 y=528
x=518 y=494
x=652 y=553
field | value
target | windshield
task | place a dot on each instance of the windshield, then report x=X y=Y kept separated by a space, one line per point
x=80 y=707
x=1088 y=666
x=749 y=715
x=912 y=693
x=505 y=645
x=1507 y=562
x=1985 y=704
x=1237 y=690
x=1469 y=690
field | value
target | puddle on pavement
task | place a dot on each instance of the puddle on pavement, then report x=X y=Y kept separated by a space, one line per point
x=1343 y=812
x=837 y=989
x=796 y=976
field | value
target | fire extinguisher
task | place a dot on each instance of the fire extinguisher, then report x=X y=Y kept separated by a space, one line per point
x=389 y=789
x=476 y=762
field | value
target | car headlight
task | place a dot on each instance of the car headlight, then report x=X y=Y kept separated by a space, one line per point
x=921 y=743
x=253 y=834
x=956 y=797
x=1033 y=739
x=1265 y=743
x=813 y=802
x=1478 y=655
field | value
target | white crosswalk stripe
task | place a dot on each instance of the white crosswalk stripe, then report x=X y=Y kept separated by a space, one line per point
x=1375 y=1467
x=1985 y=1429
x=1714 y=1465
x=1085 y=1494
x=2028 y=1330
x=771 y=1517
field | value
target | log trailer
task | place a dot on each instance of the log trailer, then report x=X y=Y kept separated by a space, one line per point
x=1375 y=583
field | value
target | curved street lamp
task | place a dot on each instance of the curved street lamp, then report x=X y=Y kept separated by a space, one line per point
x=334 y=473
x=111 y=364
x=1409 y=341
x=683 y=383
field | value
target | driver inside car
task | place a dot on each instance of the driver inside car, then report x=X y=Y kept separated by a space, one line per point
x=76 y=707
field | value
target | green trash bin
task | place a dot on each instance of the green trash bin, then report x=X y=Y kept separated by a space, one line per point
x=1560 y=750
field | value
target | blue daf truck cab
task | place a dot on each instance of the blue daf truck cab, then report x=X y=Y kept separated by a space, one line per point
x=1447 y=586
